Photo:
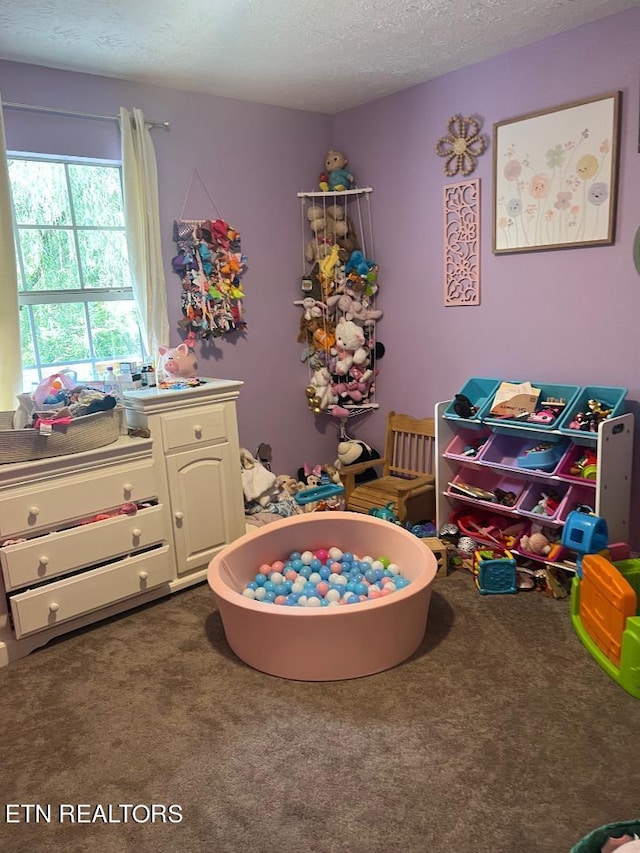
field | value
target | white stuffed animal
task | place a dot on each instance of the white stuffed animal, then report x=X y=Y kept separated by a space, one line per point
x=349 y=348
x=324 y=397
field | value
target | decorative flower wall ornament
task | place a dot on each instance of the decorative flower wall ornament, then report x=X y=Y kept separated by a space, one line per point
x=462 y=145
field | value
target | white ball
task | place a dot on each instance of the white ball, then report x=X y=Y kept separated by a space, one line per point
x=332 y=595
x=249 y=593
x=335 y=553
x=394 y=569
x=315 y=578
x=276 y=577
x=306 y=557
x=259 y=593
x=376 y=564
x=297 y=586
x=312 y=601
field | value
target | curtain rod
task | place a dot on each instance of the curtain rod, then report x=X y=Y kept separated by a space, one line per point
x=72 y=114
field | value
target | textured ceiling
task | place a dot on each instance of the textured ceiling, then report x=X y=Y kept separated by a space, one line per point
x=320 y=55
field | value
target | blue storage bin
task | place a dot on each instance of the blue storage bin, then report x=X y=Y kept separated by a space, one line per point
x=611 y=397
x=568 y=393
x=479 y=390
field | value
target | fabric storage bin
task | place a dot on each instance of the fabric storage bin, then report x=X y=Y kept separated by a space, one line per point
x=534 y=498
x=481 y=485
x=548 y=393
x=479 y=390
x=582 y=458
x=610 y=397
x=523 y=454
x=467 y=444
x=87 y=432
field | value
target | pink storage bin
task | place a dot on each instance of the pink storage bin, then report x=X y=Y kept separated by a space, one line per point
x=577 y=495
x=575 y=453
x=464 y=439
x=503 y=451
x=535 y=493
x=488 y=481
x=328 y=643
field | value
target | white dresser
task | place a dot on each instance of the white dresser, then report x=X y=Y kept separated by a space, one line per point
x=70 y=570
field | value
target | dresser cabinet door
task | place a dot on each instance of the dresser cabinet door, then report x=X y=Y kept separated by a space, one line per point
x=206 y=503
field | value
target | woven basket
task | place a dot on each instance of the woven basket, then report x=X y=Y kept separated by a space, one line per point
x=83 y=433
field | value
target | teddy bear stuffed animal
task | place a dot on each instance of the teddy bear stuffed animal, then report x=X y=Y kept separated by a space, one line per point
x=349 y=348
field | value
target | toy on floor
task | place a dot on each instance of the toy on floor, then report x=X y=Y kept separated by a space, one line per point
x=604 y=599
x=494 y=571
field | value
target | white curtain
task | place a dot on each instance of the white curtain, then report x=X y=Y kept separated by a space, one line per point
x=10 y=358
x=142 y=218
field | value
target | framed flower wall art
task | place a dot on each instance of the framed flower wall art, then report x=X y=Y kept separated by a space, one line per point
x=555 y=177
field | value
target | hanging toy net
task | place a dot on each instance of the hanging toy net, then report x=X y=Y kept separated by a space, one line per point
x=338 y=305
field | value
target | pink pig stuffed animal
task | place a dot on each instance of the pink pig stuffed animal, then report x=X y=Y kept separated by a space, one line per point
x=176 y=363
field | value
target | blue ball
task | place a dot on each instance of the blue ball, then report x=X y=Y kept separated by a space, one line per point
x=324 y=572
x=297 y=564
x=305 y=571
x=353 y=599
x=294 y=555
x=361 y=589
x=371 y=575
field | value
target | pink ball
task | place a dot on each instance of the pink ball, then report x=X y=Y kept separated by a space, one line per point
x=336 y=567
x=322 y=587
x=322 y=554
x=291 y=575
x=265 y=569
x=278 y=566
x=280 y=599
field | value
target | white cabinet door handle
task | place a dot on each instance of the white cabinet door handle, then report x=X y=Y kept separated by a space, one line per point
x=143 y=575
x=197 y=430
x=179 y=516
x=34 y=510
x=136 y=533
x=44 y=561
x=54 y=607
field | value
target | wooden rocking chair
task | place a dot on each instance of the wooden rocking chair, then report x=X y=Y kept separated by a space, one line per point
x=408 y=479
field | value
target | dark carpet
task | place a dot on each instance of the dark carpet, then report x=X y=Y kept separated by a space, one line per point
x=501 y=735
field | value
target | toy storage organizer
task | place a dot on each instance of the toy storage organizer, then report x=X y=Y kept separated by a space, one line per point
x=532 y=462
x=339 y=285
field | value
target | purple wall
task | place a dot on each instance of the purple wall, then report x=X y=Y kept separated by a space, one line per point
x=565 y=317
x=253 y=160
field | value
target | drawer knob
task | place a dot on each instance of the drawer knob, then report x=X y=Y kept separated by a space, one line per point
x=136 y=533
x=179 y=516
x=34 y=510
x=44 y=561
x=54 y=607
x=128 y=487
x=143 y=576
x=197 y=430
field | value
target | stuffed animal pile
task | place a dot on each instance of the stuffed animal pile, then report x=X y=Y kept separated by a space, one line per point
x=339 y=316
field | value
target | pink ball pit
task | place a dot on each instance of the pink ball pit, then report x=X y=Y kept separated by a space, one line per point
x=329 y=643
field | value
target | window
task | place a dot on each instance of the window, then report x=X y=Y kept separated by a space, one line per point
x=76 y=302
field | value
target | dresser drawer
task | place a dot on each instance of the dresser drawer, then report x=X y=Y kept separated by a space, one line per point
x=200 y=425
x=60 y=553
x=45 y=506
x=59 y=602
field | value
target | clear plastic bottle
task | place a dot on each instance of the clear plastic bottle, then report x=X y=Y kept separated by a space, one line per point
x=110 y=382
